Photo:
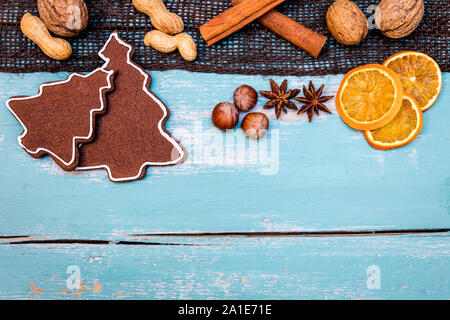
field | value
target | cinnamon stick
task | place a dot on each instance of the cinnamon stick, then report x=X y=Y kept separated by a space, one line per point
x=289 y=29
x=235 y=18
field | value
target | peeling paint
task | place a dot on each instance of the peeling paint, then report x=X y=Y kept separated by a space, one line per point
x=49 y=166
x=35 y=291
x=97 y=287
x=119 y=294
x=445 y=195
x=413 y=155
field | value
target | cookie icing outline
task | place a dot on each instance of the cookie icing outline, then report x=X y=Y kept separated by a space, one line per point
x=155 y=99
x=75 y=138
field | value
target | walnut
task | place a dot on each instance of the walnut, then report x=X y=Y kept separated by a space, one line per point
x=399 y=18
x=65 y=18
x=346 y=22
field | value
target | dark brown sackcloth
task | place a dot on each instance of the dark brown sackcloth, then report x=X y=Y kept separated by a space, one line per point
x=252 y=50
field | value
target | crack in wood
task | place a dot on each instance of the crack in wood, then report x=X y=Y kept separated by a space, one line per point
x=95 y=242
x=13 y=237
x=244 y=234
x=294 y=233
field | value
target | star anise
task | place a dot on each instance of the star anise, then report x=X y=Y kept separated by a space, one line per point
x=279 y=98
x=314 y=101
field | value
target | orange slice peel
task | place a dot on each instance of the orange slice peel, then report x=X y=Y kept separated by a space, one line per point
x=403 y=129
x=369 y=97
x=419 y=74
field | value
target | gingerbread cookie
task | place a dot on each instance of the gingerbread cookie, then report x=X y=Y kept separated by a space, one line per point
x=62 y=115
x=131 y=135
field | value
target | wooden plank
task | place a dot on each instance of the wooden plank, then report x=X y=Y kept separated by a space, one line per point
x=410 y=266
x=328 y=177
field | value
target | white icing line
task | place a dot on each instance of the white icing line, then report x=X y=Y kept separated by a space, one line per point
x=74 y=139
x=144 y=87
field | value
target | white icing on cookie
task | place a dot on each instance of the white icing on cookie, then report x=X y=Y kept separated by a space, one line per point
x=74 y=139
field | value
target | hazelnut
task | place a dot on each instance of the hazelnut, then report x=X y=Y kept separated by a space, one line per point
x=245 y=97
x=225 y=116
x=346 y=22
x=255 y=125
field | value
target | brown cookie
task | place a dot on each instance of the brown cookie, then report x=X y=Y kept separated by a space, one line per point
x=62 y=115
x=132 y=134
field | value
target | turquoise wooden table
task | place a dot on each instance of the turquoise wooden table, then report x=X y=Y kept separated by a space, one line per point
x=311 y=211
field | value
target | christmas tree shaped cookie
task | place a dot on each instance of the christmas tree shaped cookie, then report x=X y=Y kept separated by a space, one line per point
x=131 y=135
x=62 y=115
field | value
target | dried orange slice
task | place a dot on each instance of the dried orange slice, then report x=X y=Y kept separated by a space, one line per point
x=420 y=76
x=369 y=97
x=405 y=127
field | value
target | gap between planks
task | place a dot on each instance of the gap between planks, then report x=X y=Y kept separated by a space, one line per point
x=336 y=233
x=15 y=240
x=28 y=240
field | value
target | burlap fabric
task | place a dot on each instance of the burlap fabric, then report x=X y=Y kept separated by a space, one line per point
x=252 y=50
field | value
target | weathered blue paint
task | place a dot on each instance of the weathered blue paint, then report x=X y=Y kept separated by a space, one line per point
x=411 y=267
x=328 y=178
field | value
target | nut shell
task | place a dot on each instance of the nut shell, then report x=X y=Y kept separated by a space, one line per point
x=161 y=18
x=399 y=18
x=346 y=22
x=34 y=29
x=245 y=97
x=255 y=125
x=225 y=116
x=65 y=18
x=186 y=46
